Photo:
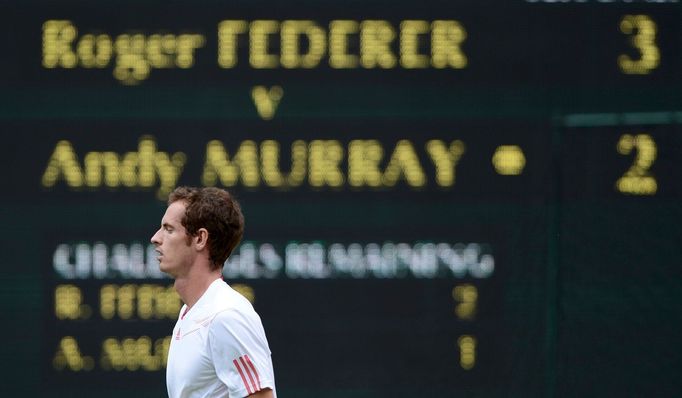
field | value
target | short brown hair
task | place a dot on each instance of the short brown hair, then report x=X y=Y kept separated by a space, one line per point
x=218 y=212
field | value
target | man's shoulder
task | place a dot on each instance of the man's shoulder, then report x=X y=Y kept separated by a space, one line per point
x=227 y=303
x=226 y=295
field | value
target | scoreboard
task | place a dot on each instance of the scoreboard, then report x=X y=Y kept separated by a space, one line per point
x=474 y=199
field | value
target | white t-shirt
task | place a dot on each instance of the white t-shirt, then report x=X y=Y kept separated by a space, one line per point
x=219 y=348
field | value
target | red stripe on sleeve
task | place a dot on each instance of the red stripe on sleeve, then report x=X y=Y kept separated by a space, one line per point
x=248 y=373
x=248 y=389
x=248 y=361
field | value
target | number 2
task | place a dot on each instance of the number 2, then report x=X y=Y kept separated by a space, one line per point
x=638 y=180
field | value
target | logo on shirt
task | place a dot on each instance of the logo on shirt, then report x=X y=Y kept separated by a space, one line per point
x=205 y=321
x=248 y=374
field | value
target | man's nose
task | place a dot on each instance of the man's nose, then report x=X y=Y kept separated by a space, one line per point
x=155 y=239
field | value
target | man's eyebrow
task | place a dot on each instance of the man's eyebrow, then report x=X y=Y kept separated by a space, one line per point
x=166 y=225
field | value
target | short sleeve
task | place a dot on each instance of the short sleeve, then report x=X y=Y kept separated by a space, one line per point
x=240 y=352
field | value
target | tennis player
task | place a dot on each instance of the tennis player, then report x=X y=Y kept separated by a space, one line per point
x=218 y=347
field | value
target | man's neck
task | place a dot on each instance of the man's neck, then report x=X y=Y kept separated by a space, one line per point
x=193 y=285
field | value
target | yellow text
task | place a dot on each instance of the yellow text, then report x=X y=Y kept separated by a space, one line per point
x=134 y=55
x=131 y=354
x=413 y=44
x=144 y=301
x=145 y=168
x=329 y=163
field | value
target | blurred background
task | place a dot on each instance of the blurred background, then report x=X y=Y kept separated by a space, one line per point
x=442 y=198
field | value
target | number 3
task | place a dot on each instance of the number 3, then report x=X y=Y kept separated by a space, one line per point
x=643 y=31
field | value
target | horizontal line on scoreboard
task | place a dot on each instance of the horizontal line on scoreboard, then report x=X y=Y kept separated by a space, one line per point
x=618 y=119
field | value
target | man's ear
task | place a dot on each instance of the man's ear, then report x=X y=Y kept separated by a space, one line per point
x=201 y=239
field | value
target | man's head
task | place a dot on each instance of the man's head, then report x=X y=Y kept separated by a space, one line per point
x=207 y=218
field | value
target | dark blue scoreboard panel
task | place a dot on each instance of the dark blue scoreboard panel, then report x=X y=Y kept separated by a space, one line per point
x=478 y=199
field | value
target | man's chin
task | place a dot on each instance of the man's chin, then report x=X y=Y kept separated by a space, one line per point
x=168 y=271
x=164 y=269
